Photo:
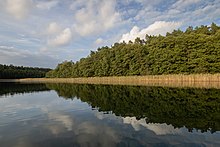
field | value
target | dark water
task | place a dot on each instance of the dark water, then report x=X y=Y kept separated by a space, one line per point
x=98 y=115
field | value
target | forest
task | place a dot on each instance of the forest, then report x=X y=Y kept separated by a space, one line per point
x=195 y=50
x=181 y=107
x=17 y=72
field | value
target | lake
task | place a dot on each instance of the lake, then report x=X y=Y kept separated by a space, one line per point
x=106 y=115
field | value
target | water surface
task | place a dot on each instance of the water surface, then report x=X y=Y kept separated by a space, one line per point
x=104 y=115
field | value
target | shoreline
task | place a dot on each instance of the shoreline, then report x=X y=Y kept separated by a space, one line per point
x=196 y=80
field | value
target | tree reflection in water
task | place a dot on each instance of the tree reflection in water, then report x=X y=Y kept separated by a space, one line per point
x=189 y=107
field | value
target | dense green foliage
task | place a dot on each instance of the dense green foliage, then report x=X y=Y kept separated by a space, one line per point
x=197 y=50
x=189 y=107
x=16 y=72
x=15 y=88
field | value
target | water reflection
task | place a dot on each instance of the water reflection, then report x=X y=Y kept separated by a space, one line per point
x=192 y=108
x=17 y=88
x=95 y=115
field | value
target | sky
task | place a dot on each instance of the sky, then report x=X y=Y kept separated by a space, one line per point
x=43 y=33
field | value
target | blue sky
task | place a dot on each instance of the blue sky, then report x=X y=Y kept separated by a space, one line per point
x=44 y=33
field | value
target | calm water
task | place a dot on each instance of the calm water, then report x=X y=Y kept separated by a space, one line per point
x=98 y=115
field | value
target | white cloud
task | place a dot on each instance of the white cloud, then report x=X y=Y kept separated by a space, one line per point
x=62 y=39
x=89 y=19
x=95 y=16
x=159 y=129
x=162 y=129
x=89 y=133
x=53 y=28
x=64 y=119
x=99 y=41
x=182 y=4
x=158 y=27
x=12 y=55
x=143 y=2
x=46 y=4
x=19 y=8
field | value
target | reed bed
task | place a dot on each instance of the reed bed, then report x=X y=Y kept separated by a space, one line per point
x=196 y=80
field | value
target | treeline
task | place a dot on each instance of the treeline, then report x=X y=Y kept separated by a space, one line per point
x=16 y=72
x=181 y=107
x=195 y=50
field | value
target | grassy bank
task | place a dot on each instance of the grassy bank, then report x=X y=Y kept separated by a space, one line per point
x=196 y=80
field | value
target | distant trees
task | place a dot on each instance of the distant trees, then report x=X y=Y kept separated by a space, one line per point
x=197 y=50
x=14 y=72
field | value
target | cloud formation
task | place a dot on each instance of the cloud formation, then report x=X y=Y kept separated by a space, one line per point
x=158 y=27
x=12 y=55
x=182 y=4
x=99 y=41
x=53 y=28
x=81 y=24
x=94 y=17
x=46 y=4
x=19 y=8
x=62 y=39
x=159 y=129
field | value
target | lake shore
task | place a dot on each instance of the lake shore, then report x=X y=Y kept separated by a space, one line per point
x=196 y=80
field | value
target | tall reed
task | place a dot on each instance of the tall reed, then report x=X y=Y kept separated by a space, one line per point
x=195 y=80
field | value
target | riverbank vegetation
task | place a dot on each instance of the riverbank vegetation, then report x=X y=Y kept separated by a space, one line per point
x=178 y=80
x=17 y=72
x=195 y=50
